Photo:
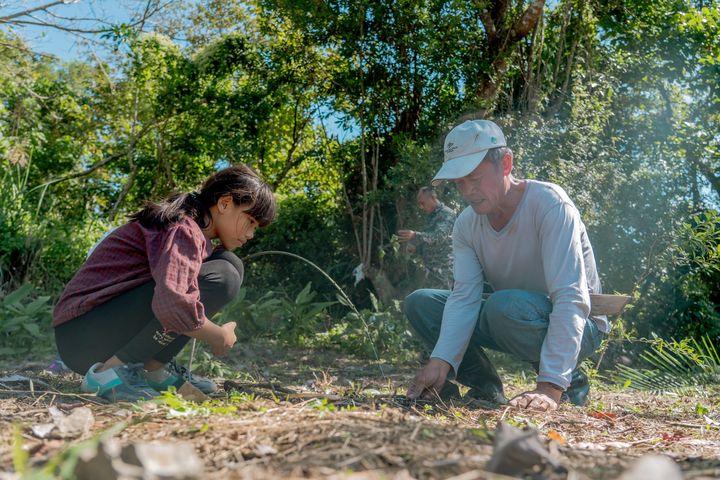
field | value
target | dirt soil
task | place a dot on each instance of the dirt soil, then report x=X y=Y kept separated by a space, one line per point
x=346 y=419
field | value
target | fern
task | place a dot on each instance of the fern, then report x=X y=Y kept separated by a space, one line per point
x=676 y=366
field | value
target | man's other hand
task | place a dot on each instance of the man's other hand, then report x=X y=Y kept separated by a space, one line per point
x=429 y=380
x=544 y=398
x=405 y=236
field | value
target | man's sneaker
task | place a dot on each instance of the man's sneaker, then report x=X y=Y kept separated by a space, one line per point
x=578 y=390
x=175 y=375
x=450 y=391
x=486 y=398
x=489 y=395
x=124 y=383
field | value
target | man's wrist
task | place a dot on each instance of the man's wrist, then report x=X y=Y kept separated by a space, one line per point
x=551 y=386
x=443 y=365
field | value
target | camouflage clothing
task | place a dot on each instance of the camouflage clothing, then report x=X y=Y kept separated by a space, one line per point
x=434 y=245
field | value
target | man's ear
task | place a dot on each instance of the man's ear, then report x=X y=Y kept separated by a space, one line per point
x=507 y=164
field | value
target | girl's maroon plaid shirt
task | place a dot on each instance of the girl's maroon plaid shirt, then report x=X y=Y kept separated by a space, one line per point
x=133 y=255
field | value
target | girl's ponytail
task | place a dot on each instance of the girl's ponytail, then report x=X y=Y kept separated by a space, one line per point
x=171 y=210
x=243 y=184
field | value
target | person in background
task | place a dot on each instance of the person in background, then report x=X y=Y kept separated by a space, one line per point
x=154 y=283
x=525 y=238
x=434 y=243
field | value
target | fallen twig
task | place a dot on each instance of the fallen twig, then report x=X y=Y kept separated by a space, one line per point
x=85 y=396
x=688 y=425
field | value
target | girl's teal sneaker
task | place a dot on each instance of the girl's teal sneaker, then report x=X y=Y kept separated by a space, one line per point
x=124 y=383
x=175 y=375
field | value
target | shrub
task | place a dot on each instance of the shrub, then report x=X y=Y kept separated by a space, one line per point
x=309 y=227
x=303 y=321
x=24 y=322
x=680 y=298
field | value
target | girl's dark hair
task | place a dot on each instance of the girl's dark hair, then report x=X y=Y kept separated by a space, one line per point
x=245 y=186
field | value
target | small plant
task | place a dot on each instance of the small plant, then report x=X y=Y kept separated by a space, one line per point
x=322 y=405
x=179 y=407
x=368 y=332
x=205 y=363
x=676 y=366
x=293 y=320
x=24 y=322
x=701 y=409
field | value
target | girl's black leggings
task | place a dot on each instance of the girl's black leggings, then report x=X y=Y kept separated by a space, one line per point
x=126 y=327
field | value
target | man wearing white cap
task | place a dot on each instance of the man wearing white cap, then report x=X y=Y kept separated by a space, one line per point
x=525 y=239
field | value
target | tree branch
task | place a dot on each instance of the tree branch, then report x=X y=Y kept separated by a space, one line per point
x=41 y=23
x=527 y=22
x=29 y=11
x=709 y=173
x=151 y=8
x=100 y=164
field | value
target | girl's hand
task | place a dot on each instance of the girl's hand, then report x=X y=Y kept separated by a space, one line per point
x=226 y=340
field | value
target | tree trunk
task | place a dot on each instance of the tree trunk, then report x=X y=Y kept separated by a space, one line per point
x=386 y=291
x=502 y=40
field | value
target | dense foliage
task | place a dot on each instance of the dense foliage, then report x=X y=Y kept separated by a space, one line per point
x=342 y=106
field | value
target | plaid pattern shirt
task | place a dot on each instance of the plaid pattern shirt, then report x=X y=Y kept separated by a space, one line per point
x=133 y=255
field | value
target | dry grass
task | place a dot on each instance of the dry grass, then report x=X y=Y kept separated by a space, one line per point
x=375 y=434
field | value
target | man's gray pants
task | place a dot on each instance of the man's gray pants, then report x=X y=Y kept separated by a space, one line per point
x=510 y=321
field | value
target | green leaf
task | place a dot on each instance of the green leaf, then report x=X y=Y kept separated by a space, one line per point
x=15 y=297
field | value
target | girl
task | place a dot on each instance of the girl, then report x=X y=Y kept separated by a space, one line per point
x=154 y=282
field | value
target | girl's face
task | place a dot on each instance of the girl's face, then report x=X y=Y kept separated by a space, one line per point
x=233 y=226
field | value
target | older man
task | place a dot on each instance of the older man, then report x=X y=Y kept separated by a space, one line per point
x=433 y=244
x=525 y=239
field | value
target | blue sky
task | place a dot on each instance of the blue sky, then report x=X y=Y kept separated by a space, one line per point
x=67 y=45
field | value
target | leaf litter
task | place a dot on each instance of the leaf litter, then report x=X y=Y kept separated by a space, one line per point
x=292 y=427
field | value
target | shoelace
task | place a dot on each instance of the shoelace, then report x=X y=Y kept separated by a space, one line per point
x=179 y=370
x=134 y=375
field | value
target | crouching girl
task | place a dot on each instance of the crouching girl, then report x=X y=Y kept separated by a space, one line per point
x=153 y=283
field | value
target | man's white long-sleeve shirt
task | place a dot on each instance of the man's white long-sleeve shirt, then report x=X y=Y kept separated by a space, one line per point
x=543 y=248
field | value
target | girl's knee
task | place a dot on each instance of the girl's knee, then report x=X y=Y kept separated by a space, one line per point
x=222 y=276
x=232 y=279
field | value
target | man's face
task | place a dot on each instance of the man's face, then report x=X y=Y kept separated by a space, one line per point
x=426 y=202
x=483 y=188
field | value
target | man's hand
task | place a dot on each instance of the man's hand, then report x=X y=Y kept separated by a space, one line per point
x=405 y=236
x=545 y=397
x=225 y=341
x=429 y=380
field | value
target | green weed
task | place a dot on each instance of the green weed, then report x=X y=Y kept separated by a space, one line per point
x=24 y=322
x=322 y=405
x=179 y=407
x=674 y=366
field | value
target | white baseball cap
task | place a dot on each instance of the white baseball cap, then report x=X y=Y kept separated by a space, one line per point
x=466 y=146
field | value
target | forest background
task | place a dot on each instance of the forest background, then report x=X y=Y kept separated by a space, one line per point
x=342 y=106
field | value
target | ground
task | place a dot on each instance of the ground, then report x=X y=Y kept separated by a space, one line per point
x=347 y=418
